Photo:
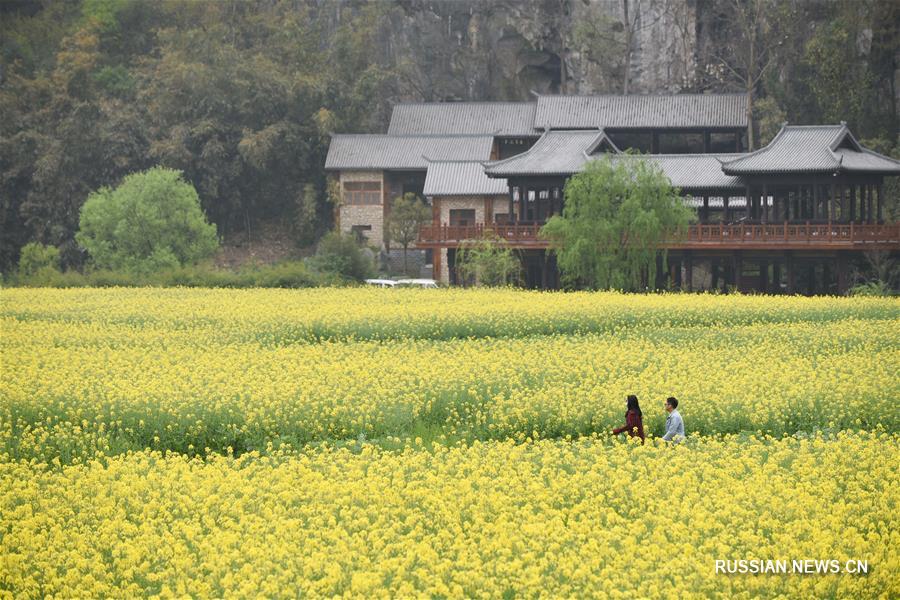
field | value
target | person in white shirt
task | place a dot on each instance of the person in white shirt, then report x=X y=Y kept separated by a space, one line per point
x=674 y=423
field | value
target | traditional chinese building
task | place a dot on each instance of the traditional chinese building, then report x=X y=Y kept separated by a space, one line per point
x=789 y=217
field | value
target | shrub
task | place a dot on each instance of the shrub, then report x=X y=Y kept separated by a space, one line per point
x=152 y=221
x=340 y=254
x=37 y=257
x=487 y=263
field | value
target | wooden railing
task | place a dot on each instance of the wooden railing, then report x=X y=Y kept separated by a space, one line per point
x=526 y=234
x=756 y=235
x=772 y=235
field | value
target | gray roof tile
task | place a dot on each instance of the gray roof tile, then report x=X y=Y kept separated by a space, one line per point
x=812 y=149
x=682 y=111
x=461 y=178
x=497 y=118
x=694 y=171
x=555 y=153
x=403 y=152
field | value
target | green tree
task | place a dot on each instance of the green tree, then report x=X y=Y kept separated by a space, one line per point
x=152 y=220
x=305 y=217
x=487 y=262
x=408 y=213
x=616 y=213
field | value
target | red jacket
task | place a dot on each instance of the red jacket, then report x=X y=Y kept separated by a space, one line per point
x=633 y=422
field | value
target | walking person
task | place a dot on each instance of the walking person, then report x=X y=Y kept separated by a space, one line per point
x=634 y=423
x=674 y=423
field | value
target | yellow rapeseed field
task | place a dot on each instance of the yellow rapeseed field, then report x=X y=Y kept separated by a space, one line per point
x=442 y=443
x=101 y=371
x=553 y=518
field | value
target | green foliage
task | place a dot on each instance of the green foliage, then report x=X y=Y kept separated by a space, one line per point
x=615 y=215
x=115 y=80
x=871 y=288
x=37 y=257
x=839 y=86
x=103 y=12
x=340 y=254
x=151 y=221
x=305 y=217
x=769 y=118
x=487 y=262
x=288 y=274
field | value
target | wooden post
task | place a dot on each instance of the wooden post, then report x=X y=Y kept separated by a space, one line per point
x=829 y=209
x=488 y=210
x=436 y=263
x=763 y=276
x=512 y=209
x=869 y=194
x=706 y=208
x=725 y=207
x=523 y=203
x=852 y=203
x=764 y=201
x=689 y=268
x=776 y=277
x=815 y=212
x=738 y=262
x=707 y=142
x=791 y=275
x=841 y=274
x=879 y=215
x=737 y=141
x=748 y=204
x=436 y=212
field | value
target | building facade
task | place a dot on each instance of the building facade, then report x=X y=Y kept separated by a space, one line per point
x=791 y=217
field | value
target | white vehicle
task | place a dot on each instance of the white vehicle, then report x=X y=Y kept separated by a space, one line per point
x=382 y=283
x=422 y=283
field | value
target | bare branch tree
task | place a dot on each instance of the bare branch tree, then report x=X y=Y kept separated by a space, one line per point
x=755 y=41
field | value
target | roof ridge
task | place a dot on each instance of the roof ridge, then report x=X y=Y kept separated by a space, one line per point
x=693 y=154
x=416 y=135
x=455 y=160
x=465 y=102
x=676 y=95
x=819 y=126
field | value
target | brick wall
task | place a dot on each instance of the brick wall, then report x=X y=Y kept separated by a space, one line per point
x=372 y=215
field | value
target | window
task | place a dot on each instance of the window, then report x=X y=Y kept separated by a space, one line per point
x=360 y=232
x=462 y=216
x=362 y=192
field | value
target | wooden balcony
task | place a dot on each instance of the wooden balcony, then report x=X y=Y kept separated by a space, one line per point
x=756 y=236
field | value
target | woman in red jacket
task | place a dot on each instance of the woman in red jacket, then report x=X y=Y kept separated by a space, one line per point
x=634 y=424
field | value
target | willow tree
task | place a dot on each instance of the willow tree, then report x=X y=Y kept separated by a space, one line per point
x=616 y=214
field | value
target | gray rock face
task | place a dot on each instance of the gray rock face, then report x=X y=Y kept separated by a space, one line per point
x=505 y=49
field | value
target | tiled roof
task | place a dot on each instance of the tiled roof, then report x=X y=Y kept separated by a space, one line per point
x=497 y=118
x=642 y=112
x=694 y=171
x=555 y=153
x=461 y=178
x=403 y=152
x=812 y=149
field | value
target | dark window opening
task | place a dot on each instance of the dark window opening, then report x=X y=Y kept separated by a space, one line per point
x=359 y=232
x=462 y=217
